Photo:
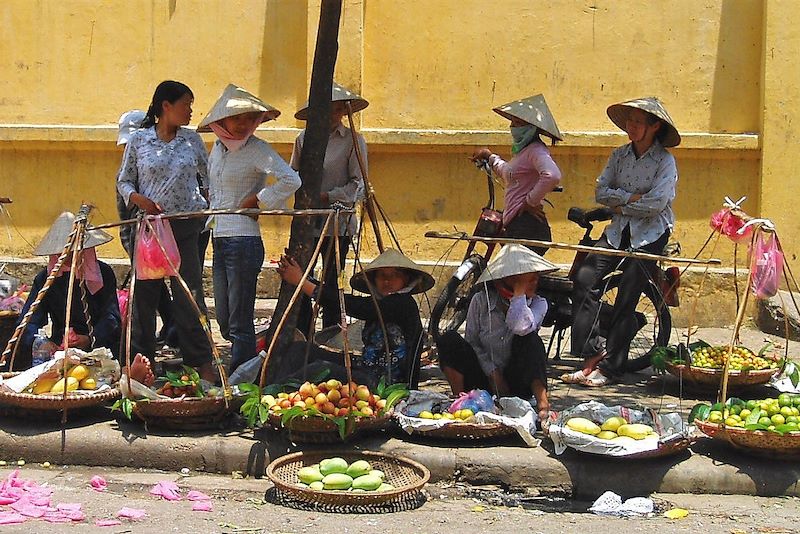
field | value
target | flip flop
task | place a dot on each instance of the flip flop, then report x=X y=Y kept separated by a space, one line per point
x=596 y=379
x=574 y=378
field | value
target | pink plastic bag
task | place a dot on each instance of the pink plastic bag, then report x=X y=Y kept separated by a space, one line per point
x=151 y=263
x=767 y=266
x=729 y=224
x=122 y=299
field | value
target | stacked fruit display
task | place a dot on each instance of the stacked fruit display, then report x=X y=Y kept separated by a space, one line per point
x=780 y=415
x=614 y=429
x=458 y=416
x=742 y=358
x=337 y=475
x=182 y=384
x=329 y=398
x=77 y=377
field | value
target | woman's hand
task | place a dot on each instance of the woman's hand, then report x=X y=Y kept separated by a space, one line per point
x=481 y=154
x=250 y=202
x=289 y=270
x=145 y=204
x=634 y=198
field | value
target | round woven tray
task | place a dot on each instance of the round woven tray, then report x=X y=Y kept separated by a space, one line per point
x=316 y=429
x=407 y=476
x=664 y=449
x=759 y=442
x=712 y=378
x=190 y=413
x=466 y=431
x=29 y=401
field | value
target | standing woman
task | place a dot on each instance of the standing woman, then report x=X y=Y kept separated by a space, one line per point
x=531 y=173
x=162 y=170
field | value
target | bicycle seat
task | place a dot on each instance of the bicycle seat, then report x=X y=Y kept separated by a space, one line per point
x=584 y=218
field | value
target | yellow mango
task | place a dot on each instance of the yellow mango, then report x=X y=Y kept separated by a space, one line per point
x=607 y=434
x=79 y=372
x=72 y=385
x=583 y=425
x=613 y=423
x=88 y=383
x=44 y=385
x=635 y=431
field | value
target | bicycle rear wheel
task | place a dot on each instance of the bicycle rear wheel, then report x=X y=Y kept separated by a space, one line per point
x=655 y=324
x=451 y=307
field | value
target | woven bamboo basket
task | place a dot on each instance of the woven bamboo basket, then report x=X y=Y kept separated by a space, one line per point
x=667 y=448
x=703 y=378
x=466 y=431
x=407 y=476
x=188 y=413
x=317 y=429
x=27 y=402
x=758 y=442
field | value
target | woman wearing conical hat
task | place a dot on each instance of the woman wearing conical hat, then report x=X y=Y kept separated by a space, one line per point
x=101 y=297
x=238 y=167
x=342 y=181
x=531 y=173
x=392 y=279
x=638 y=184
x=501 y=349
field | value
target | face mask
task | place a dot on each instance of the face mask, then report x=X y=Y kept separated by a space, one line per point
x=518 y=132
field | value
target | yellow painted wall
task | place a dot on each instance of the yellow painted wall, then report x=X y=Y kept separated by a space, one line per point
x=432 y=70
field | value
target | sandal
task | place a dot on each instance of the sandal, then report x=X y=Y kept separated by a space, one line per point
x=596 y=379
x=574 y=378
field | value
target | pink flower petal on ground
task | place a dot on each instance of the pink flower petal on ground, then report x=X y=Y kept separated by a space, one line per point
x=195 y=495
x=25 y=507
x=69 y=506
x=11 y=518
x=202 y=506
x=7 y=500
x=131 y=513
x=39 y=501
x=167 y=490
x=98 y=483
x=56 y=517
x=106 y=522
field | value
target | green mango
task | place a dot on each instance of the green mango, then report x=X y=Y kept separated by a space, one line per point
x=378 y=473
x=367 y=482
x=359 y=468
x=317 y=486
x=385 y=487
x=699 y=411
x=309 y=474
x=332 y=465
x=337 y=481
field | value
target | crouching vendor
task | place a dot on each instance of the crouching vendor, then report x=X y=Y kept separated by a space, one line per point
x=502 y=351
x=391 y=318
x=95 y=284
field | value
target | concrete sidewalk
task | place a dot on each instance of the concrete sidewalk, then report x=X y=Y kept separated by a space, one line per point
x=706 y=468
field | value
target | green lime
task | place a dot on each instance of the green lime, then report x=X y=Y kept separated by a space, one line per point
x=786 y=411
x=751 y=405
x=715 y=417
x=773 y=409
x=778 y=419
x=784 y=399
x=766 y=421
x=745 y=413
x=793 y=419
x=796 y=400
x=736 y=409
x=730 y=421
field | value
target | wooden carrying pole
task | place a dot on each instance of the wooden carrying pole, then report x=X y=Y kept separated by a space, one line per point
x=369 y=193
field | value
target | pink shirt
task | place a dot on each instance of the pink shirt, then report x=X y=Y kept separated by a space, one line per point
x=528 y=177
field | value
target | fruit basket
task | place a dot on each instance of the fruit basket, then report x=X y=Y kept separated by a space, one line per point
x=706 y=378
x=407 y=476
x=758 y=443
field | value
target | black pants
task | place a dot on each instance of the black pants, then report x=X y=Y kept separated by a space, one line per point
x=589 y=286
x=526 y=226
x=527 y=362
x=192 y=339
x=331 y=315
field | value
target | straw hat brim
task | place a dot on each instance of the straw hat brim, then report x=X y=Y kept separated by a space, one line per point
x=56 y=237
x=235 y=101
x=618 y=113
x=513 y=260
x=533 y=110
x=394 y=259
x=339 y=93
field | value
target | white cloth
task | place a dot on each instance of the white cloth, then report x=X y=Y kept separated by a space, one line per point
x=169 y=174
x=238 y=174
x=654 y=176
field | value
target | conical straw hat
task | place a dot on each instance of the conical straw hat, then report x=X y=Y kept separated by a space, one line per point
x=533 y=110
x=56 y=237
x=235 y=101
x=515 y=259
x=618 y=113
x=393 y=258
x=339 y=94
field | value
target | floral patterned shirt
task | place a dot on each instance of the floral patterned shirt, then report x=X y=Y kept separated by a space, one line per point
x=169 y=174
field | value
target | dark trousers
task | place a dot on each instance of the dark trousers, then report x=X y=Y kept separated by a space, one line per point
x=332 y=314
x=192 y=339
x=526 y=226
x=526 y=364
x=589 y=286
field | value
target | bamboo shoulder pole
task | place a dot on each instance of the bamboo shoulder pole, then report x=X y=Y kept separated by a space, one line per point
x=369 y=194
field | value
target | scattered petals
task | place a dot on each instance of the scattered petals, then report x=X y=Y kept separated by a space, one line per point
x=11 y=518
x=25 y=507
x=98 y=483
x=167 y=490
x=106 y=522
x=195 y=495
x=131 y=513
x=202 y=506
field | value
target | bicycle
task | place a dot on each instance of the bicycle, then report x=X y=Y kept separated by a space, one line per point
x=652 y=312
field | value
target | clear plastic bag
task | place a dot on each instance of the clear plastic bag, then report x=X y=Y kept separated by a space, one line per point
x=767 y=266
x=151 y=263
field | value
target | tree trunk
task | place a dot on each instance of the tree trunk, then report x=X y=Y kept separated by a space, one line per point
x=315 y=143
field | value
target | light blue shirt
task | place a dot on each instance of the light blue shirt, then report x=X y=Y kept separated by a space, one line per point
x=654 y=176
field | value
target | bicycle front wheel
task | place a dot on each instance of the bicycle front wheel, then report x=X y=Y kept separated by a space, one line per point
x=451 y=307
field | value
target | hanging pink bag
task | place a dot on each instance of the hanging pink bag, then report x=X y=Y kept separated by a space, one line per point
x=767 y=266
x=151 y=263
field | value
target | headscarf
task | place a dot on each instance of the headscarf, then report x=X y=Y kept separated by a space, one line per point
x=89 y=270
x=523 y=136
x=232 y=143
